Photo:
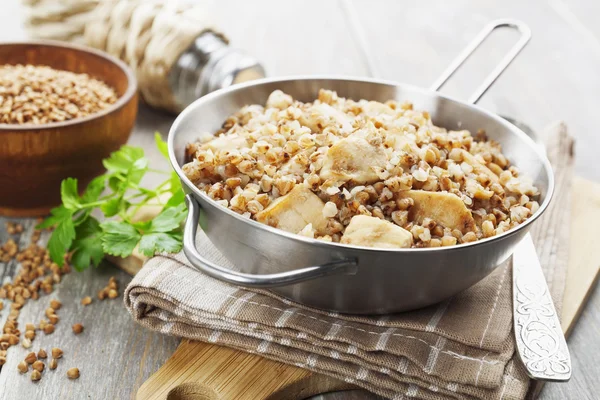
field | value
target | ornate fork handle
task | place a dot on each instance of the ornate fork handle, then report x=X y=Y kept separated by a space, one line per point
x=540 y=340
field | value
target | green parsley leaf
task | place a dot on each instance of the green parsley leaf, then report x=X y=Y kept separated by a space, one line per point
x=94 y=190
x=148 y=192
x=91 y=195
x=80 y=216
x=116 y=184
x=169 y=219
x=89 y=240
x=87 y=244
x=138 y=170
x=152 y=243
x=57 y=215
x=61 y=240
x=142 y=226
x=119 y=238
x=112 y=206
x=176 y=199
x=174 y=183
x=69 y=194
x=123 y=159
x=161 y=145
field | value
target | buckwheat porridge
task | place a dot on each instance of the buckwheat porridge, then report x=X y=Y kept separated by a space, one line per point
x=360 y=172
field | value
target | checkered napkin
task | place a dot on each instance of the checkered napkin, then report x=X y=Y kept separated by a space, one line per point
x=462 y=348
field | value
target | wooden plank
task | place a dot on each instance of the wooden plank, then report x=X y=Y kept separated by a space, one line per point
x=582 y=298
x=583 y=264
x=554 y=78
x=315 y=38
x=583 y=346
x=12 y=16
x=224 y=373
x=581 y=16
x=293 y=38
x=113 y=354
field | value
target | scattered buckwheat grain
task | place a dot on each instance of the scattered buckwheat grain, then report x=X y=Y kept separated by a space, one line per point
x=77 y=328
x=38 y=366
x=23 y=367
x=55 y=304
x=36 y=375
x=30 y=358
x=49 y=329
x=73 y=373
x=56 y=352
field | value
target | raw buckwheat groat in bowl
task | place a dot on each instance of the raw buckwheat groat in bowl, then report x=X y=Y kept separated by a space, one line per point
x=38 y=94
x=360 y=172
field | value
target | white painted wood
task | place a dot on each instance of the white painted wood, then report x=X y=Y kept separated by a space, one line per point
x=556 y=77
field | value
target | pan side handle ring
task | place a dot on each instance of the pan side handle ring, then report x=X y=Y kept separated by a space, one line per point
x=250 y=280
x=475 y=43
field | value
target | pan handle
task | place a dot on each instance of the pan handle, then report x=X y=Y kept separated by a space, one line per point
x=471 y=47
x=250 y=280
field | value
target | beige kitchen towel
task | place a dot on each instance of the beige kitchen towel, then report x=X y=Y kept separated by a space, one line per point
x=462 y=348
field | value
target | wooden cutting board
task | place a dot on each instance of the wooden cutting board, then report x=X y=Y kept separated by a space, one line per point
x=202 y=371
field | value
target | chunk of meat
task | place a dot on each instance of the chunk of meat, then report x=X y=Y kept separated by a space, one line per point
x=353 y=159
x=321 y=114
x=294 y=211
x=226 y=143
x=444 y=208
x=375 y=232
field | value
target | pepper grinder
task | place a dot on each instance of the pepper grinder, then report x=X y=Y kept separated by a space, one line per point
x=210 y=64
x=171 y=45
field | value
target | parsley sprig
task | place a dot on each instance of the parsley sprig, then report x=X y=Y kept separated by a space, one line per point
x=118 y=196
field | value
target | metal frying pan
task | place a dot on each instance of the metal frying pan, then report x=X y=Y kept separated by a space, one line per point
x=344 y=278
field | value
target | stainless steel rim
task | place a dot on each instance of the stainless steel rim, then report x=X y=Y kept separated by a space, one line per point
x=191 y=187
x=348 y=266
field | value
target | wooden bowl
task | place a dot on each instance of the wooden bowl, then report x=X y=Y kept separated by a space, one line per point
x=34 y=159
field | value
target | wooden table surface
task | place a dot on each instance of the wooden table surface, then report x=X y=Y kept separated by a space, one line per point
x=556 y=77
